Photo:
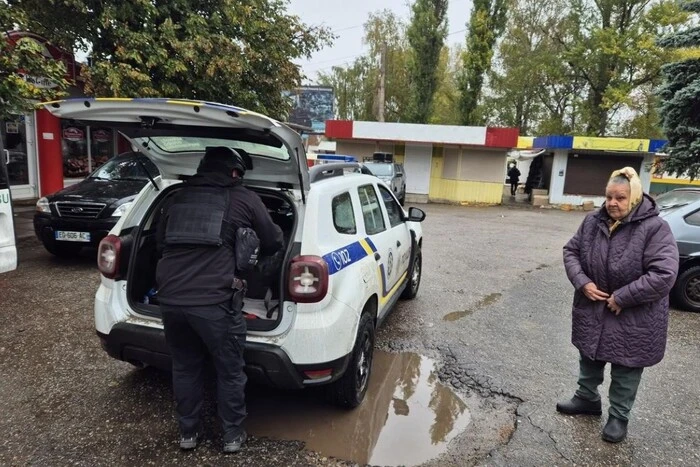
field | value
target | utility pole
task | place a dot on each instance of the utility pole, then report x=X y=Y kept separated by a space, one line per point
x=381 y=98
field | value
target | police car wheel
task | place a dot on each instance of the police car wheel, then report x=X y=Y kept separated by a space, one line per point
x=411 y=289
x=349 y=391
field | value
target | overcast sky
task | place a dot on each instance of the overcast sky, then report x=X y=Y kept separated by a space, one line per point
x=346 y=17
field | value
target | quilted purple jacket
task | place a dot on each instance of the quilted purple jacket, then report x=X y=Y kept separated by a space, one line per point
x=638 y=263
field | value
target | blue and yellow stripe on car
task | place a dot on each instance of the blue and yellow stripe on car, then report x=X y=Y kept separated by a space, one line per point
x=344 y=257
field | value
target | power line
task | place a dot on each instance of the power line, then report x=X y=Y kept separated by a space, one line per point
x=335 y=59
x=348 y=28
x=457 y=32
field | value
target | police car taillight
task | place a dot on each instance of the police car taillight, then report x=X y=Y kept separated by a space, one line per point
x=308 y=279
x=108 y=256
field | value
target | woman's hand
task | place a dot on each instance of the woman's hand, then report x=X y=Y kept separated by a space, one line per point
x=591 y=291
x=612 y=304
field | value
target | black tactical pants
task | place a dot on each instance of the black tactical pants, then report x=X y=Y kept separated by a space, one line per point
x=191 y=333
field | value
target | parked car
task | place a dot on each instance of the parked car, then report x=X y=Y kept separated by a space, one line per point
x=392 y=174
x=83 y=214
x=681 y=209
x=8 y=248
x=350 y=253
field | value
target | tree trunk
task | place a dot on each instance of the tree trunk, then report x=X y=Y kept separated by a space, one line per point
x=598 y=118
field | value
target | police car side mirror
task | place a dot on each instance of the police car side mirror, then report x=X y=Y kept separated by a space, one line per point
x=416 y=215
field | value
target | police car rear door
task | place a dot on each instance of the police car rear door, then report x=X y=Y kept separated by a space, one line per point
x=8 y=247
x=175 y=133
x=385 y=245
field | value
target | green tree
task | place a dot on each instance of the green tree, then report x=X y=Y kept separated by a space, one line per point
x=680 y=101
x=426 y=37
x=486 y=24
x=514 y=91
x=230 y=51
x=645 y=122
x=356 y=86
x=384 y=30
x=21 y=60
x=445 y=109
x=610 y=45
x=354 y=91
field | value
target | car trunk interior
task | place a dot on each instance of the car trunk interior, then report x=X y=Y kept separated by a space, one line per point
x=265 y=284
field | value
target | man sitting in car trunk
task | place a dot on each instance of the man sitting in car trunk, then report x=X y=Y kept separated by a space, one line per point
x=199 y=293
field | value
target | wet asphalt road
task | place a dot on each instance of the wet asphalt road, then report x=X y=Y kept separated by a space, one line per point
x=492 y=313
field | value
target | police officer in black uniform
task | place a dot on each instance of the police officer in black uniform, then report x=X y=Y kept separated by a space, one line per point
x=199 y=294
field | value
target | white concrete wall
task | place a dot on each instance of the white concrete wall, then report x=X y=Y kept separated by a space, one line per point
x=645 y=172
x=445 y=134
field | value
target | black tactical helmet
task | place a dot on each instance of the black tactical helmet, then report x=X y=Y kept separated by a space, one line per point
x=221 y=159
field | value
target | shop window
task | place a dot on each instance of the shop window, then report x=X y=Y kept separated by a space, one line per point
x=85 y=149
x=74 y=147
x=14 y=136
x=101 y=145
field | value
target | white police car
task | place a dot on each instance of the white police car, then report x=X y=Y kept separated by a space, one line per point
x=351 y=251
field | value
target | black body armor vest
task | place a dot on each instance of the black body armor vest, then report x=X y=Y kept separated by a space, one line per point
x=197 y=217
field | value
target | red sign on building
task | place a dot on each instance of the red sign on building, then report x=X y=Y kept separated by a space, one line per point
x=49 y=51
x=101 y=136
x=73 y=134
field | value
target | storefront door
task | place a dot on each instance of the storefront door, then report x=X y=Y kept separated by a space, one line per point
x=20 y=155
x=417 y=163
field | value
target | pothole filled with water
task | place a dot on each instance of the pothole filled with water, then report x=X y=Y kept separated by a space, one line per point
x=408 y=417
x=486 y=301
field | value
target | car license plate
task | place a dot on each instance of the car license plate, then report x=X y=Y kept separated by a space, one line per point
x=66 y=236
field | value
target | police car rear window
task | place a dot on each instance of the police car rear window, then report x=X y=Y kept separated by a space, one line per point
x=174 y=144
x=343 y=214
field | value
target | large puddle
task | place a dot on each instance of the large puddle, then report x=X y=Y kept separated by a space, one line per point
x=408 y=416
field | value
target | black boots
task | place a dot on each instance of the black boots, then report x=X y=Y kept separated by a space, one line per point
x=615 y=430
x=578 y=406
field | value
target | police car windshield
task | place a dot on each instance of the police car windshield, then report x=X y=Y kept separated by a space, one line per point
x=174 y=144
x=126 y=169
x=380 y=169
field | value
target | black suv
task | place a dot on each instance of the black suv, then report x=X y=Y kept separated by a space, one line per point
x=83 y=214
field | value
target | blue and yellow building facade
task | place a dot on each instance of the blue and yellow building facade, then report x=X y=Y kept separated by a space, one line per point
x=576 y=168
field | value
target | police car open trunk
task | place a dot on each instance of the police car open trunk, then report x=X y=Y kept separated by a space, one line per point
x=174 y=134
x=267 y=281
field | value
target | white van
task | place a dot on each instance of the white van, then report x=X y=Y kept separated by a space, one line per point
x=8 y=247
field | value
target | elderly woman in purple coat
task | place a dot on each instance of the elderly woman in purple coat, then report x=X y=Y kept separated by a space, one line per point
x=622 y=262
